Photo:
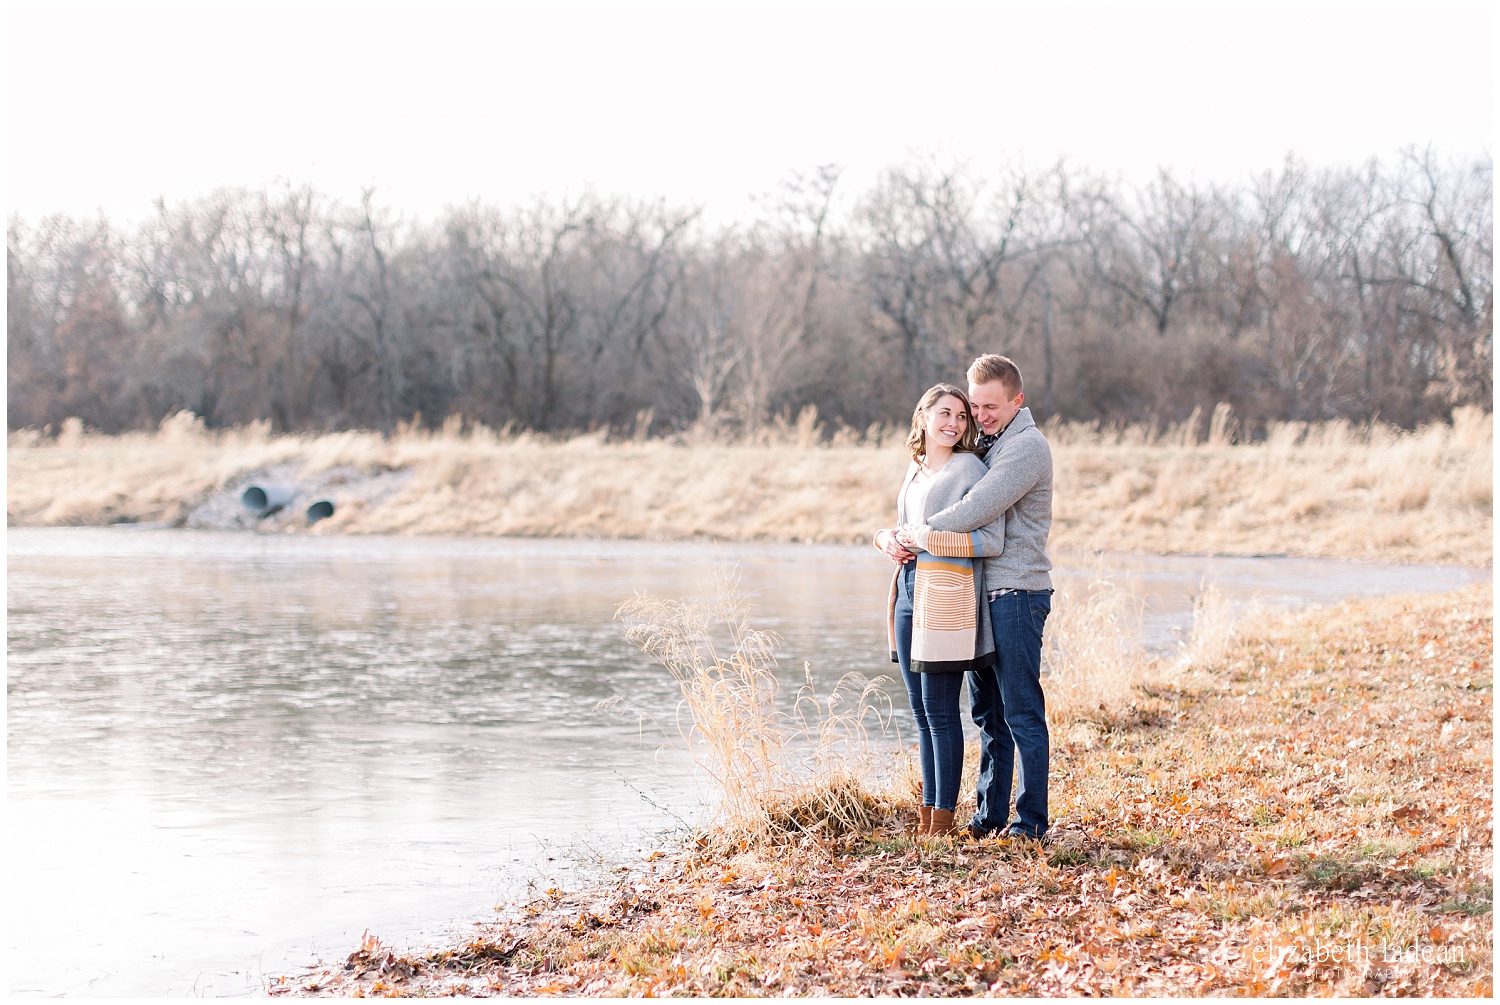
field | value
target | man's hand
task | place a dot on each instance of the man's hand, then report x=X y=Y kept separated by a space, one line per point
x=886 y=541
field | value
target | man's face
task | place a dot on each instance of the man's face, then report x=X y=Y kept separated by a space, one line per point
x=993 y=408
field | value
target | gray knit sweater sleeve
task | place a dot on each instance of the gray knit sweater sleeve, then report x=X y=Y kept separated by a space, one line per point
x=959 y=475
x=1020 y=468
x=1014 y=499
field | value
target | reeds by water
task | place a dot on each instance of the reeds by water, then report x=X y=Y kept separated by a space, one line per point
x=1326 y=490
x=804 y=765
x=1098 y=669
x=1092 y=652
x=829 y=765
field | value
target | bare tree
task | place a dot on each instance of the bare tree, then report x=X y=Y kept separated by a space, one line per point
x=289 y=222
x=939 y=249
x=1308 y=294
x=704 y=348
x=1156 y=252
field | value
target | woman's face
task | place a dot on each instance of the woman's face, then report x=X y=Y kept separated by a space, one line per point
x=946 y=421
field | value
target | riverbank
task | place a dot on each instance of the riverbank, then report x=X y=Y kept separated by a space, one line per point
x=1322 y=491
x=1309 y=812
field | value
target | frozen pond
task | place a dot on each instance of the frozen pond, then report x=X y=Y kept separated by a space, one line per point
x=230 y=754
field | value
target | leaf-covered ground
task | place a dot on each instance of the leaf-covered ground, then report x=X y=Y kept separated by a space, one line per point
x=1312 y=816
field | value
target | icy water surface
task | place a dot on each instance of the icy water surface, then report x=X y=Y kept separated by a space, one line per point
x=230 y=754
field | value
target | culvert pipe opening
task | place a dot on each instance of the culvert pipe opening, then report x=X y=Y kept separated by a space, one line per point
x=263 y=500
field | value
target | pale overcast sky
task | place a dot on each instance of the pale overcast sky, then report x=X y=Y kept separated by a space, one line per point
x=110 y=108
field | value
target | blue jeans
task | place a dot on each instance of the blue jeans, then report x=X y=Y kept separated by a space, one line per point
x=1008 y=707
x=934 y=704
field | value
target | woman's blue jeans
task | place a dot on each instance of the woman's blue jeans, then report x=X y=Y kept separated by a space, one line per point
x=935 y=706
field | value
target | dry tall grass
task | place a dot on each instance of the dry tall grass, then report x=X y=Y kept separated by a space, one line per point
x=1097 y=664
x=1093 y=653
x=817 y=767
x=1329 y=490
x=778 y=769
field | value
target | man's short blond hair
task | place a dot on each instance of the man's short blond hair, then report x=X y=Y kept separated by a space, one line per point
x=992 y=367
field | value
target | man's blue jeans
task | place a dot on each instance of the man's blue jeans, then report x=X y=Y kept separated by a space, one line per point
x=935 y=707
x=1011 y=713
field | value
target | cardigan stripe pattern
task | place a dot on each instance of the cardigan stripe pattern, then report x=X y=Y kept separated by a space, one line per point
x=945 y=621
x=942 y=598
x=947 y=634
x=951 y=543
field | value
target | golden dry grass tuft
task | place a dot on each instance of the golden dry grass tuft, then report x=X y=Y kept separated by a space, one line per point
x=1329 y=490
x=778 y=767
x=1093 y=655
x=1309 y=814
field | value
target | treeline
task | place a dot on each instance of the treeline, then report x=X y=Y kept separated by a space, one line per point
x=1304 y=295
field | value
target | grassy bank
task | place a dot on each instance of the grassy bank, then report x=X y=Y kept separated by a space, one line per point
x=1307 y=811
x=1326 y=490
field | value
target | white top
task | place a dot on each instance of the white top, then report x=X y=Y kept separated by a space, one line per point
x=913 y=501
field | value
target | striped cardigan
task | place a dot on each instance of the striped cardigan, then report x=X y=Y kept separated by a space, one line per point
x=950 y=619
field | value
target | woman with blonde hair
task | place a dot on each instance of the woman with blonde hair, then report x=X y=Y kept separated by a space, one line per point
x=937 y=619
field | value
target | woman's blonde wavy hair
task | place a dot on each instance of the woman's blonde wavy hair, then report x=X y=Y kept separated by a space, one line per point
x=916 y=440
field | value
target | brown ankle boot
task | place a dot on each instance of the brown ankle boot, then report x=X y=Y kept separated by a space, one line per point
x=942 y=822
x=924 y=821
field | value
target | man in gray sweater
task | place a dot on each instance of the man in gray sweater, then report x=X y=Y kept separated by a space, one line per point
x=1007 y=701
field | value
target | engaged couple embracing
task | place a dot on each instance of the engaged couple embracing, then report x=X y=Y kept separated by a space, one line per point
x=971 y=595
